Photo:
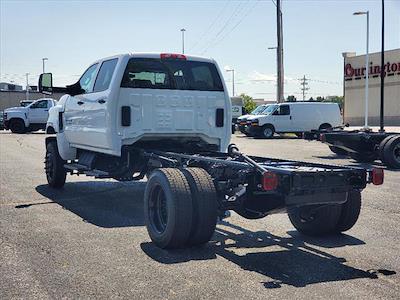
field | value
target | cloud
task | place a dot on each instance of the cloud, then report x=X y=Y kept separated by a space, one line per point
x=256 y=76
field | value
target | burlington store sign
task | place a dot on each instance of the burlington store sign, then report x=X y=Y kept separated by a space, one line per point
x=390 y=69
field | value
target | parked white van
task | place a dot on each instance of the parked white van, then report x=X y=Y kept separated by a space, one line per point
x=295 y=117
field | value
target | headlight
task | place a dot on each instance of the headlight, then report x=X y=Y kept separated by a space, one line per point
x=254 y=122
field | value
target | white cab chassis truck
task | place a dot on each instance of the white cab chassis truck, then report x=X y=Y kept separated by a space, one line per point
x=29 y=118
x=168 y=117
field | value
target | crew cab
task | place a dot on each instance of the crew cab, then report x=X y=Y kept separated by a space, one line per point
x=168 y=117
x=295 y=117
x=29 y=118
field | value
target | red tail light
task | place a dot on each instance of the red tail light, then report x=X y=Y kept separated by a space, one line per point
x=269 y=181
x=322 y=137
x=377 y=176
x=172 y=56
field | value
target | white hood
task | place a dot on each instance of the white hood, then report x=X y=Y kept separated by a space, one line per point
x=16 y=109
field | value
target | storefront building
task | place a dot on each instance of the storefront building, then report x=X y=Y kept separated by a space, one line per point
x=354 y=88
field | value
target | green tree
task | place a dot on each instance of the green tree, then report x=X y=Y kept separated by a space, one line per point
x=249 y=104
x=335 y=99
x=291 y=98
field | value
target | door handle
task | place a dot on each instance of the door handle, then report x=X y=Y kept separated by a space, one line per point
x=80 y=102
x=46 y=110
x=101 y=101
x=290 y=117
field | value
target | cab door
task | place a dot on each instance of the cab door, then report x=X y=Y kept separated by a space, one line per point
x=39 y=112
x=97 y=104
x=75 y=106
x=282 y=119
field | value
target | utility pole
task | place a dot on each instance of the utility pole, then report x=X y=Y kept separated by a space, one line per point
x=304 y=86
x=183 y=40
x=27 y=86
x=279 y=53
x=382 y=112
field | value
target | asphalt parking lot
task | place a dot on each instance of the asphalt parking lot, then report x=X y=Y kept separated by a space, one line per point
x=88 y=240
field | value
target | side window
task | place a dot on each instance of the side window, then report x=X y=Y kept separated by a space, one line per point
x=105 y=74
x=88 y=78
x=284 y=110
x=40 y=104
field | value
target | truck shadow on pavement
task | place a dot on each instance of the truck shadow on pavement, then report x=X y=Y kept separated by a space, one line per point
x=295 y=261
x=102 y=203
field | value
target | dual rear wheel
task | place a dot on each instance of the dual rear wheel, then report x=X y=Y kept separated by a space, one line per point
x=318 y=220
x=180 y=207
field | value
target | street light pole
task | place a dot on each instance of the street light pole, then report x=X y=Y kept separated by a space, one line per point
x=183 y=40
x=27 y=87
x=366 y=67
x=43 y=60
x=233 y=81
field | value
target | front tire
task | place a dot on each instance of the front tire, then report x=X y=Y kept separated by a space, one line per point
x=267 y=131
x=54 y=166
x=168 y=208
x=17 y=126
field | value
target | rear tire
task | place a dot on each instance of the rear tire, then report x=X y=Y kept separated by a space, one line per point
x=205 y=208
x=54 y=166
x=350 y=211
x=338 y=151
x=17 y=126
x=391 y=152
x=315 y=220
x=168 y=208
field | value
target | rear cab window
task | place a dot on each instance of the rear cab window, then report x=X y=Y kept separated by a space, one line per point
x=152 y=73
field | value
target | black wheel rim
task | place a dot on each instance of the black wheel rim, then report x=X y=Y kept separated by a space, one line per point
x=158 y=210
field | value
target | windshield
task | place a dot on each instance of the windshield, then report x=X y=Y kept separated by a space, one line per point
x=269 y=109
x=153 y=73
x=257 y=110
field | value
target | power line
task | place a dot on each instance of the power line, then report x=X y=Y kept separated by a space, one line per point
x=234 y=14
x=211 y=25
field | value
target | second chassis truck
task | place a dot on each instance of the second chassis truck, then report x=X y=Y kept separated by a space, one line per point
x=167 y=117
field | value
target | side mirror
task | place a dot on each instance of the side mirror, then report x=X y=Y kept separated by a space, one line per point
x=46 y=83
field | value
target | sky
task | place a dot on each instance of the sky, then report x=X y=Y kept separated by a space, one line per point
x=237 y=34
